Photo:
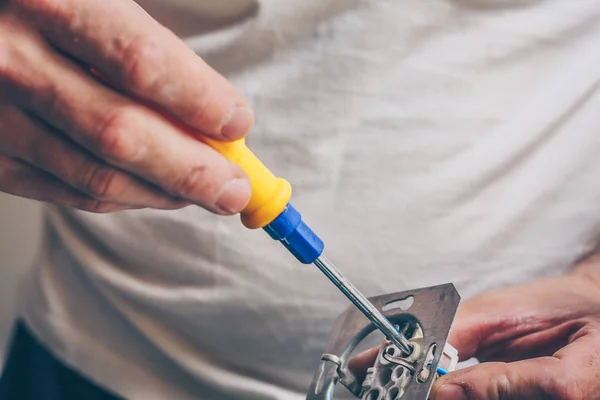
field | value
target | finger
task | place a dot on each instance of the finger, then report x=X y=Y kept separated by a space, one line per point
x=488 y=324
x=506 y=325
x=363 y=361
x=468 y=330
x=572 y=373
x=134 y=51
x=539 y=344
x=530 y=379
x=28 y=140
x=480 y=335
x=23 y=180
x=120 y=131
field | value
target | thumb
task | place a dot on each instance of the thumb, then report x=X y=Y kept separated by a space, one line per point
x=528 y=379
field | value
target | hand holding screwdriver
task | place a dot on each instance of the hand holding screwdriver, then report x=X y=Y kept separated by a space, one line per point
x=66 y=138
x=84 y=145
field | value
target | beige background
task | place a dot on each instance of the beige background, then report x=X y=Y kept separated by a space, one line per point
x=20 y=229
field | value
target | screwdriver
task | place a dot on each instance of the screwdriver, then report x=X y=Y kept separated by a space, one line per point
x=269 y=208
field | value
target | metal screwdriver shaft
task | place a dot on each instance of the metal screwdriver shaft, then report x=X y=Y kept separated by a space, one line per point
x=362 y=303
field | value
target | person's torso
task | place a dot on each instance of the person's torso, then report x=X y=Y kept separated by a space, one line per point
x=426 y=142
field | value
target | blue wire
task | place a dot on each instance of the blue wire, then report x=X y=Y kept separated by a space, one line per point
x=441 y=371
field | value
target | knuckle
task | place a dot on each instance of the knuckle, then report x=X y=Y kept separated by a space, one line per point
x=99 y=181
x=141 y=63
x=115 y=137
x=193 y=182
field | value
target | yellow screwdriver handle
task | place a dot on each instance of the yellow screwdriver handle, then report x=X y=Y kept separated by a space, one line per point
x=270 y=195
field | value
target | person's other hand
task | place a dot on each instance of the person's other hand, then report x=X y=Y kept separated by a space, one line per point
x=536 y=341
x=66 y=138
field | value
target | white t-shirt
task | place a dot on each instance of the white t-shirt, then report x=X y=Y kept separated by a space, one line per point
x=427 y=141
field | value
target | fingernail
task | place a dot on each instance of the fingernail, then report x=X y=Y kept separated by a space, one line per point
x=451 y=392
x=234 y=196
x=238 y=123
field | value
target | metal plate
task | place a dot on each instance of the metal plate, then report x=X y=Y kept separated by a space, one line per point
x=433 y=308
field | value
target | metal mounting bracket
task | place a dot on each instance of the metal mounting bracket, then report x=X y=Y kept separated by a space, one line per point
x=429 y=317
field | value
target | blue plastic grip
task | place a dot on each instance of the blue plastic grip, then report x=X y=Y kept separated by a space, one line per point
x=295 y=235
